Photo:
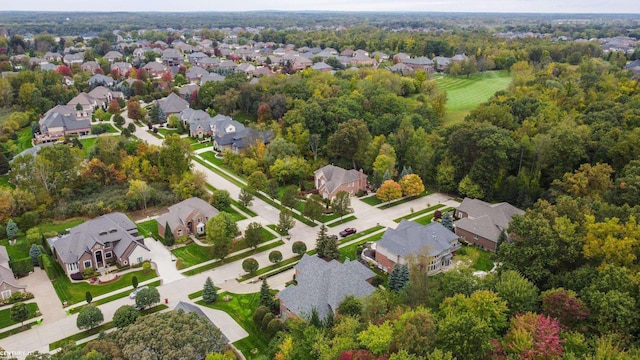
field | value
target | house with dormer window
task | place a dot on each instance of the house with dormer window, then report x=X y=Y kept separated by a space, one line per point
x=188 y=217
x=109 y=239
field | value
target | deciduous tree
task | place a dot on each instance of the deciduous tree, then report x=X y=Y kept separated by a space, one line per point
x=221 y=230
x=411 y=185
x=125 y=315
x=253 y=235
x=89 y=317
x=299 y=247
x=389 y=190
x=147 y=297
x=286 y=221
x=19 y=312
x=341 y=204
x=250 y=265
x=245 y=197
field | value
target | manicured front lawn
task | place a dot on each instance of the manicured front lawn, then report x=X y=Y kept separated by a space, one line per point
x=5 y=314
x=165 y=131
x=75 y=292
x=233 y=258
x=403 y=200
x=344 y=220
x=349 y=251
x=211 y=157
x=149 y=228
x=371 y=200
x=190 y=255
x=417 y=213
x=198 y=146
x=241 y=308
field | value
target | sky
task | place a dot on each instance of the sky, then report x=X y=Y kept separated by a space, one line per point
x=519 y=6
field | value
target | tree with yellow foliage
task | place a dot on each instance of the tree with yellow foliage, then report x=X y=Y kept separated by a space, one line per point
x=411 y=185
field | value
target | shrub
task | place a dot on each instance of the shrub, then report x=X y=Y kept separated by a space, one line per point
x=299 y=247
x=259 y=314
x=274 y=326
x=266 y=320
x=88 y=272
x=22 y=267
x=250 y=265
x=377 y=280
x=146 y=266
x=275 y=256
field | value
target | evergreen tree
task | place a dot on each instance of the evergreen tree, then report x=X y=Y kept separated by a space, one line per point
x=331 y=251
x=88 y=297
x=169 y=239
x=403 y=278
x=393 y=278
x=209 y=292
x=12 y=229
x=266 y=298
x=34 y=252
x=447 y=220
x=134 y=282
x=405 y=171
x=501 y=238
x=321 y=241
x=386 y=176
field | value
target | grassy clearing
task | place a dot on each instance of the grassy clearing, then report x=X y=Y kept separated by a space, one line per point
x=371 y=200
x=24 y=139
x=97 y=330
x=210 y=156
x=233 y=258
x=21 y=248
x=5 y=315
x=149 y=228
x=481 y=260
x=75 y=292
x=417 y=213
x=339 y=222
x=465 y=94
x=87 y=144
x=4 y=182
x=241 y=308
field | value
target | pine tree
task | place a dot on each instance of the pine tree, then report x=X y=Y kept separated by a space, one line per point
x=12 y=229
x=403 y=278
x=331 y=251
x=447 y=220
x=386 y=176
x=266 y=298
x=501 y=238
x=209 y=292
x=169 y=239
x=393 y=278
x=321 y=241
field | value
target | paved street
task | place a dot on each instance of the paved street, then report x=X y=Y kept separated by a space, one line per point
x=176 y=287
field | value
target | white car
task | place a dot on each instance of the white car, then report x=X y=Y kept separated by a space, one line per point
x=135 y=292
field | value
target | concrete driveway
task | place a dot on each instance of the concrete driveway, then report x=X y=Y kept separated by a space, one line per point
x=39 y=285
x=164 y=261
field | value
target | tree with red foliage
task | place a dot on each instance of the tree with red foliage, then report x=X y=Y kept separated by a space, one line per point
x=264 y=112
x=193 y=99
x=167 y=78
x=133 y=108
x=533 y=336
x=64 y=70
x=115 y=73
x=564 y=306
x=360 y=355
x=114 y=107
x=182 y=70
x=141 y=74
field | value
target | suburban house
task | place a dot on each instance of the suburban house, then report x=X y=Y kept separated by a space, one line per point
x=110 y=238
x=332 y=179
x=57 y=124
x=187 y=217
x=323 y=285
x=8 y=283
x=481 y=223
x=155 y=69
x=239 y=141
x=91 y=67
x=172 y=104
x=99 y=79
x=411 y=239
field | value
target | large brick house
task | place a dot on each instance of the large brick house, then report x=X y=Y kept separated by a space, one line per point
x=323 y=285
x=481 y=223
x=98 y=242
x=187 y=217
x=330 y=179
x=412 y=239
x=8 y=283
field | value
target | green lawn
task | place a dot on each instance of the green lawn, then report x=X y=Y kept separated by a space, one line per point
x=481 y=259
x=349 y=251
x=211 y=157
x=24 y=139
x=241 y=308
x=414 y=214
x=87 y=144
x=233 y=258
x=111 y=298
x=5 y=315
x=266 y=269
x=198 y=146
x=165 y=131
x=4 y=182
x=149 y=229
x=371 y=200
x=344 y=220
x=21 y=249
x=465 y=94
x=403 y=200
x=75 y=292
x=194 y=254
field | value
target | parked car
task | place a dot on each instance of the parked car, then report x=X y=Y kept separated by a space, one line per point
x=135 y=292
x=348 y=231
x=333 y=237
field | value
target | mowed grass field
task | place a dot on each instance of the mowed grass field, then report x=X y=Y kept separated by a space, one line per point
x=463 y=94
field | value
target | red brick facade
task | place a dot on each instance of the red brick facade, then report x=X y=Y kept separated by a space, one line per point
x=476 y=240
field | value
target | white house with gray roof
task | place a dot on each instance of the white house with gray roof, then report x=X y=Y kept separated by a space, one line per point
x=481 y=223
x=110 y=238
x=412 y=239
x=323 y=285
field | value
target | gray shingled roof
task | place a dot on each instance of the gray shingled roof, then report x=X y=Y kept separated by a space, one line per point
x=180 y=211
x=115 y=228
x=323 y=285
x=173 y=104
x=337 y=176
x=411 y=238
x=66 y=121
x=484 y=219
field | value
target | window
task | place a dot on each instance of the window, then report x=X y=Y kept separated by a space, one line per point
x=475 y=236
x=72 y=267
x=6 y=294
x=87 y=264
x=179 y=232
x=199 y=220
x=139 y=259
x=108 y=255
x=107 y=245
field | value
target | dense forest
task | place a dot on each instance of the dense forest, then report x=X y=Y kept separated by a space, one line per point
x=562 y=142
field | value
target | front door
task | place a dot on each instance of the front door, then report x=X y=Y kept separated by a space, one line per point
x=99 y=261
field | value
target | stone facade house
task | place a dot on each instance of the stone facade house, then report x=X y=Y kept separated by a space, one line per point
x=187 y=217
x=95 y=244
x=323 y=285
x=330 y=179
x=411 y=239
x=481 y=223
x=8 y=283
